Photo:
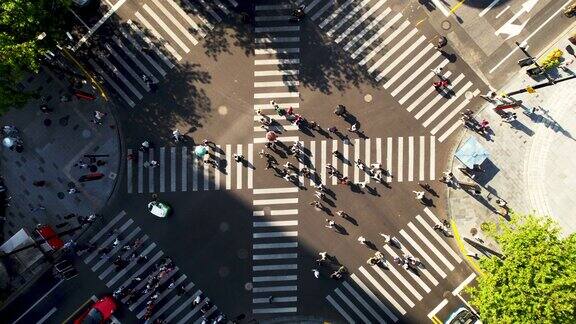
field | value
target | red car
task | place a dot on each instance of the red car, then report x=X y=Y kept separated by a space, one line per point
x=99 y=312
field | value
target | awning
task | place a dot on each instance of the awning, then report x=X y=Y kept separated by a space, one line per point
x=471 y=153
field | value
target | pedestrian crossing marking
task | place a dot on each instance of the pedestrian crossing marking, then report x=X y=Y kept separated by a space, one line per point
x=275 y=267
x=335 y=305
x=351 y=305
x=436 y=113
x=211 y=11
x=187 y=18
x=368 y=28
x=289 y=299
x=289 y=245
x=126 y=66
x=406 y=67
x=363 y=302
x=347 y=17
x=412 y=274
x=198 y=15
x=275 y=223
x=275 y=190
x=175 y=22
x=274 y=278
x=274 y=310
x=274 y=289
x=382 y=290
x=438 y=239
x=379 y=33
x=393 y=285
x=373 y=297
x=423 y=254
x=395 y=48
x=157 y=35
x=340 y=9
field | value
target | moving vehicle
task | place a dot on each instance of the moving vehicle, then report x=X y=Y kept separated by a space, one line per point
x=159 y=209
x=99 y=312
x=463 y=316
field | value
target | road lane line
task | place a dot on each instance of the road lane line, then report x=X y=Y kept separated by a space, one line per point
x=173 y=169
x=273 y=267
x=378 y=150
x=289 y=299
x=312 y=159
x=272 y=51
x=140 y=172
x=239 y=167
x=274 y=310
x=277 y=62
x=271 y=40
x=410 y=158
x=490 y=6
x=437 y=308
x=45 y=317
x=423 y=254
x=352 y=306
x=345 y=159
x=251 y=167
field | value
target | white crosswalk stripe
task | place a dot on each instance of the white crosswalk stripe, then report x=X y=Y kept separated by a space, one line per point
x=139 y=261
x=172 y=25
x=364 y=298
x=383 y=42
x=178 y=167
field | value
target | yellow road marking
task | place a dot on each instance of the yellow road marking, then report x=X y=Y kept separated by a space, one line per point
x=460 y=244
x=457 y=6
x=421 y=21
x=92 y=80
x=436 y=320
x=76 y=311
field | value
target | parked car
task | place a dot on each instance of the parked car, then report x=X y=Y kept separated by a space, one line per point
x=99 y=312
x=462 y=316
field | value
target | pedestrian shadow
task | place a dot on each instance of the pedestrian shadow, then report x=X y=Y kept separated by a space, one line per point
x=248 y=164
x=372 y=190
x=482 y=248
x=371 y=245
x=428 y=202
x=516 y=124
x=340 y=229
x=356 y=189
x=351 y=219
x=329 y=202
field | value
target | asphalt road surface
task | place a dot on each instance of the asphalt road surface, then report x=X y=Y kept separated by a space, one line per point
x=242 y=237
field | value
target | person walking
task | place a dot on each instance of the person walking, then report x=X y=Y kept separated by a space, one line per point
x=177 y=135
x=238 y=157
x=437 y=71
x=419 y=195
x=316 y=273
x=330 y=223
x=362 y=240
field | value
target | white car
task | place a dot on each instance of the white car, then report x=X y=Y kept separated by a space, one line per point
x=159 y=209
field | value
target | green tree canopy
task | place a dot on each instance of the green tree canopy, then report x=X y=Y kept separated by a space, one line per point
x=535 y=281
x=21 y=22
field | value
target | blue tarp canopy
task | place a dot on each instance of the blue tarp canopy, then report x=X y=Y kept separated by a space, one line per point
x=472 y=152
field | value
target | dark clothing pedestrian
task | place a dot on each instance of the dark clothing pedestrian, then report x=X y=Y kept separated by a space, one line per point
x=39 y=183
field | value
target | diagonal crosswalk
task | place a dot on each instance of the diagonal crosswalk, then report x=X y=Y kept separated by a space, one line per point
x=146 y=266
x=398 y=56
x=160 y=35
x=365 y=295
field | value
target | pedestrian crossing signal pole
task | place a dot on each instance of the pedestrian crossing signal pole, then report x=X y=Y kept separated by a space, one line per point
x=522 y=47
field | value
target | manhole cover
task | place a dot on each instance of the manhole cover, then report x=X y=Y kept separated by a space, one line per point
x=446 y=25
x=242 y=254
x=248 y=286
x=469 y=95
x=64 y=121
x=223 y=271
x=61 y=195
x=86 y=133
x=223 y=110
x=224 y=227
x=368 y=98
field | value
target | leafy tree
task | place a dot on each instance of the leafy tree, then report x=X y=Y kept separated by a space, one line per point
x=535 y=281
x=21 y=22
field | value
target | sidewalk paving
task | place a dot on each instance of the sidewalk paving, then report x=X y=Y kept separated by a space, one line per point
x=530 y=161
x=50 y=154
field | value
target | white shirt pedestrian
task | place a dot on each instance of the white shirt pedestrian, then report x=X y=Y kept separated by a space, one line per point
x=176 y=133
x=362 y=240
x=419 y=195
x=316 y=273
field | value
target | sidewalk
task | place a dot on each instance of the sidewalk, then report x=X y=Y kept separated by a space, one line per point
x=530 y=164
x=54 y=143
